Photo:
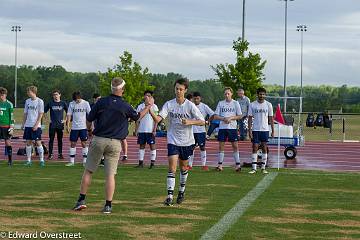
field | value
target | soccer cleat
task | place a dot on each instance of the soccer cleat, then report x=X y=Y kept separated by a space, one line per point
x=140 y=165
x=252 y=171
x=238 y=169
x=79 y=206
x=189 y=167
x=42 y=164
x=60 y=157
x=9 y=163
x=70 y=164
x=219 y=168
x=264 y=171
x=107 y=209
x=28 y=164
x=205 y=168
x=168 y=201
x=102 y=162
x=50 y=157
x=124 y=158
x=180 y=198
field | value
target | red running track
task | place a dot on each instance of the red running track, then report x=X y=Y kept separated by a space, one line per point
x=333 y=156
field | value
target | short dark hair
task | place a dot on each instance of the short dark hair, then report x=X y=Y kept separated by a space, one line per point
x=189 y=96
x=96 y=95
x=3 y=90
x=76 y=95
x=182 y=81
x=148 y=91
x=56 y=91
x=260 y=89
x=196 y=94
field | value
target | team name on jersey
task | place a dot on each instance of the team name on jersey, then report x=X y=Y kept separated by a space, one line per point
x=79 y=110
x=222 y=110
x=178 y=115
x=30 y=107
x=260 y=110
x=57 y=108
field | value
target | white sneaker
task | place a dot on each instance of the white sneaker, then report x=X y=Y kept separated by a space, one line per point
x=219 y=168
x=70 y=164
x=264 y=171
x=252 y=171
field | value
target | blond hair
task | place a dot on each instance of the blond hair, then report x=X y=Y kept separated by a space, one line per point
x=32 y=89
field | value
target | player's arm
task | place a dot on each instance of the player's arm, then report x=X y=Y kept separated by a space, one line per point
x=250 y=120
x=68 y=118
x=40 y=115
x=271 y=121
x=197 y=117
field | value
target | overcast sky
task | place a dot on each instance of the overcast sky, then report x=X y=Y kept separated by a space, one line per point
x=186 y=36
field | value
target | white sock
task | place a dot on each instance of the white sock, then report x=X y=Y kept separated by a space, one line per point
x=41 y=152
x=191 y=160
x=264 y=160
x=221 y=157
x=203 y=158
x=84 y=153
x=141 y=154
x=183 y=178
x=236 y=157
x=170 y=184
x=254 y=157
x=72 y=154
x=28 y=152
x=153 y=155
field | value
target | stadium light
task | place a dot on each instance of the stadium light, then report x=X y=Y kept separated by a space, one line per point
x=15 y=29
x=301 y=29
x=285 y=55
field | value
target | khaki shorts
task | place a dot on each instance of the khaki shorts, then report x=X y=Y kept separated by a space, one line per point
x=109 y=148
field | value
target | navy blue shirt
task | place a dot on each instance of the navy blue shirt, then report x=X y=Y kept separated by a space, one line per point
x=111 y=115
x=57 y=110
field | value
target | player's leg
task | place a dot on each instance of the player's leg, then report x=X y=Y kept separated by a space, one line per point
x=202 y=143
x=173 y=156
x=52 y=132
x=124 y=147
x=142 y=144
x=264 y=139
x=185 y=152
x=60 y=134
x=28 y=148
x=233 y=138
x=255 y=147
x=85 y=149
x=191 y=158
x=152 y=154
x=74 y=135
x=221 y=140
x=8 y=148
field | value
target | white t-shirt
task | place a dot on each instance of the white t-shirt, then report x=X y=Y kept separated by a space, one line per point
x=78 y=111
x=228 y=109
x=146 y=124
x=33 y=108
x=178 y=133
x=261 y=113
x=205 y=111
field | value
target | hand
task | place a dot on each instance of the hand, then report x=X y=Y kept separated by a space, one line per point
x=11 y=131
x=227 y=120
x=67 y=129
x=22 y=126
x=185 y=121
x=34 y=128
x=90 y=132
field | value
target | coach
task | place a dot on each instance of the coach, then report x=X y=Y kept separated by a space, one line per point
x=111 y=115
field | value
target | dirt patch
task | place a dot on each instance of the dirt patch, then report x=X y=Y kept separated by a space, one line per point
x=216 y=185
x=324 y=190
x=156 y=232
x=300 y=210
x=143 y=183
x=285 y=220
x=43 y=223
x=160 y=215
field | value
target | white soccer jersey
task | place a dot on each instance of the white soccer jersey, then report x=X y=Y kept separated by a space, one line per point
x=178 y=133
x=78 y=111
x=261 y=113
x=32 y=109
x=205 y=111
x=146 y=124
x=228 y=109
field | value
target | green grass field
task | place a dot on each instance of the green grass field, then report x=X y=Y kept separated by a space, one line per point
x=297 y=205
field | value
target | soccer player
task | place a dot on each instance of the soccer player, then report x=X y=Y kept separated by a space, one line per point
x=112 y=114
x=182 y=115
x=6 y=122
x=33 y=113
x=260 y=115
x=78 y=110
x=200 y=131
x=57 y=108
x=228 y=112
x=244 y=102
x=146 y=129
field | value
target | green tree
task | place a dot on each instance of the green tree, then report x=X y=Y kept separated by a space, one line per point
x=136 y=78
x=246 y=73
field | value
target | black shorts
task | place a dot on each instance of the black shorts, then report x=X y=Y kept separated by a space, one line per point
x=4 y=133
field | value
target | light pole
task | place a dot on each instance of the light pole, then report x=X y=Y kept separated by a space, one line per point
x=301 y=29
x=243 y=22
x=15 y=29
x=285 y=57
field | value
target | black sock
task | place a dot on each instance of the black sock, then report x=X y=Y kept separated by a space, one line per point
x=81 y=197
x=108 y=203
x=9 y=153
x=152 y=162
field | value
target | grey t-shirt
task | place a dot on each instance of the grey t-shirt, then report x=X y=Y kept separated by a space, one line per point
x=244 y=104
